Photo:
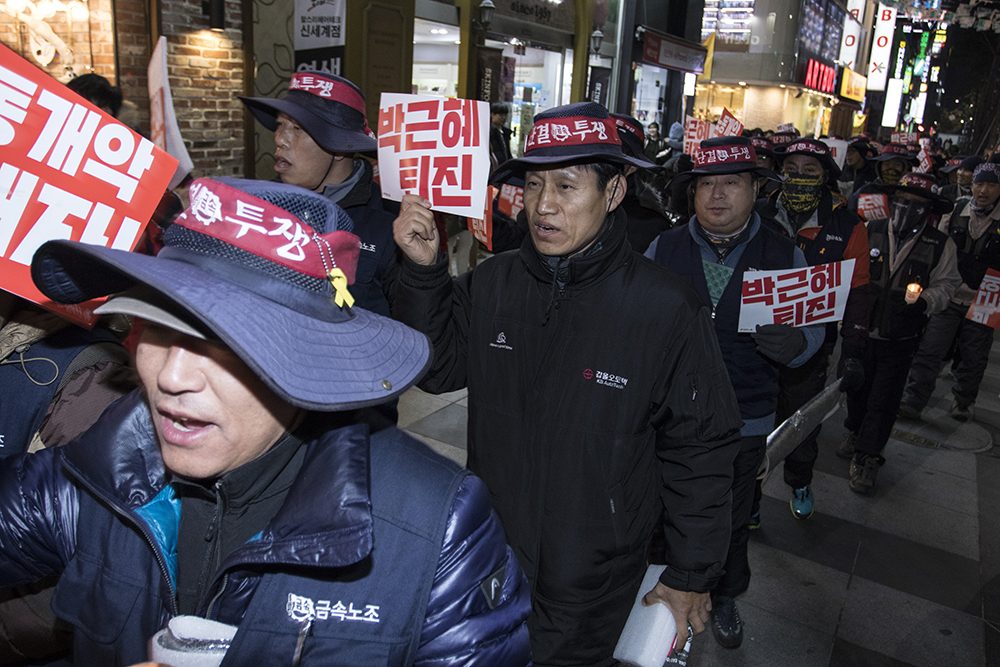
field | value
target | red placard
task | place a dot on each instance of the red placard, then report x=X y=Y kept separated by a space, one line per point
x=874 y=206
x=986 y=308
x=67 y=171
x=482 y=228
x=728 y=126
x=511 y=200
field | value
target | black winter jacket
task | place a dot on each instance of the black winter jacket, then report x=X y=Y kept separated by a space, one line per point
x=399 y=562
x=592 y=408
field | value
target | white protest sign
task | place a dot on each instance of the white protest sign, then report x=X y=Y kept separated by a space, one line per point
x=695 y=131
x=796 y=297
x=163 y=127
x=437 y=148
x=838 y=149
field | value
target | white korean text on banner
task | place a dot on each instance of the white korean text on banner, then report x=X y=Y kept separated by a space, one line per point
x=163 y=127
x=873 y=206
x=319 y=35
x=986 y=308
x=436 y=148
x=796 y=297
x=67 y=171
x=727 y=126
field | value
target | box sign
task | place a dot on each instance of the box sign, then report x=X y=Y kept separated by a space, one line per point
x=852 y=85
x=878 y=64
x=673 y=53
x=819 y=76
x=67 y=171
x=850 y=41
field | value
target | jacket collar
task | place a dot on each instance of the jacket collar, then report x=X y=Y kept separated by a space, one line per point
x=118 y=460
x=584 y=268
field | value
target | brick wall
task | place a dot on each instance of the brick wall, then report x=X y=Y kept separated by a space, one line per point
x=206 y=75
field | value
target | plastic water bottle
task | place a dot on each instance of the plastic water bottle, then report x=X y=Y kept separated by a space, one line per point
x=650 y=632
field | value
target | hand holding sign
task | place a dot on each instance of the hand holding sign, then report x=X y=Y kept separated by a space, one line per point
x=795 y=297
x=415 y=232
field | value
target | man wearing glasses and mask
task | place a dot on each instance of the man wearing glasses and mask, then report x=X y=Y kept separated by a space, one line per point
x=913 y=274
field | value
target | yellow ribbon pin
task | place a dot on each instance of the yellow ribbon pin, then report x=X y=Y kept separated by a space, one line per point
x=339 y=282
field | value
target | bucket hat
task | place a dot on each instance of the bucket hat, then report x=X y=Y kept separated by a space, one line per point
x=863 y=145
x=781 y=139
x=571 y=134
x=763 y=146
x=954 y=164
x=724 y=155
x=986 y=172
x=329 y=107
x=922 y=185
x=897 y=152
x=263 y=267
x=633 y=137
x=816 y=149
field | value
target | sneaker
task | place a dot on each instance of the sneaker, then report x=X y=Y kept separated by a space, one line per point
x=846 y=449
x=726 y=624
x=864 y=471
x=907 y=411
x=754 y=521
x=802 y=502
x=959 y=412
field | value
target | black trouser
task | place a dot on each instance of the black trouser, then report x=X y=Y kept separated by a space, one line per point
x=797 y=386
x=974 y=343
x=871 y=411
x=736 y=578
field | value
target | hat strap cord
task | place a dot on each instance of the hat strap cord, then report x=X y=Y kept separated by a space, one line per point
x=333 y=158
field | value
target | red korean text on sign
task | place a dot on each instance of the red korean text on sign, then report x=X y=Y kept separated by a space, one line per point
x=795 y=297
x=986 y=308
x=67 y=171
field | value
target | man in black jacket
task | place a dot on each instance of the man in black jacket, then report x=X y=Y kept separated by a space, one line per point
x=974 y=226
x=598 y=399
x=964 y=169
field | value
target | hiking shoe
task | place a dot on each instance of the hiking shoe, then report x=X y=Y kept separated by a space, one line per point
x=754 y=521
x=726 y=624
x=959 y=412
x=907 y=411
x=864 y=471
x=802 y=502
x=846 y=449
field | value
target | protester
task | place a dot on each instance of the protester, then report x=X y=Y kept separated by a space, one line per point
x=724 y=239
x=859 y=169
x=809 y=210
x=766 y=159
x=894 y=161
x=913 y=274
x=499 y=133
x=643 y=205
x=319 y=131
x=962 y=186
x=574 y=435
x=229 y=487
x=98 y=91
x=975 y=229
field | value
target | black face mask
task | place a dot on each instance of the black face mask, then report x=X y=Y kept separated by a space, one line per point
x=906 y=216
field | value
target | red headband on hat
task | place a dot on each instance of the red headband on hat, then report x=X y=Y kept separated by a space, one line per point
x=955 y=161
x=625 y=125
x=328 y=89
x=268 y=231
x=726 y=155
x=571 y=131
x=895 y=149
x=806 y=147
x=918 y=181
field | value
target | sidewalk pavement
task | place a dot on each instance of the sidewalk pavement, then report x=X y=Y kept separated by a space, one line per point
x=910 y=576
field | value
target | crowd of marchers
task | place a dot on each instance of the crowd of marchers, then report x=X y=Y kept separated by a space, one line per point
x=215 y=472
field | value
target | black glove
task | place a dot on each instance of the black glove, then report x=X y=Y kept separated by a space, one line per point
x=852 y=374
x=919 y=305
x=779 y=342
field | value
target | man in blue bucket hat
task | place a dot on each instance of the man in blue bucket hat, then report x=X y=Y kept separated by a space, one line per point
x=598 y=400
x=235 y=486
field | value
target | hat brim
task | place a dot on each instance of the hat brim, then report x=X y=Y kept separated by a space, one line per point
x=828 y=162
x=517 y=167
x=913 y=161
x=720 y=170
x=330 y=137
x=361 y=360
x=939 y=204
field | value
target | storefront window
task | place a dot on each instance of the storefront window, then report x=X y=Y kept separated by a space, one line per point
x=435 y=58
x=711 y=99
x=650 y=86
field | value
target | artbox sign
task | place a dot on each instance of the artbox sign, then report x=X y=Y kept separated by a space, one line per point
x=878 y=64
x=437 y=148
x=67 y=171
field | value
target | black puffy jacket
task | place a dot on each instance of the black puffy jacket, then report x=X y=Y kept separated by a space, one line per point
x=592 y=408
x=383 y=553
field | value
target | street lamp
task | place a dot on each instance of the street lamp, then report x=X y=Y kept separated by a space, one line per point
x=596 y=38
x=486 y=9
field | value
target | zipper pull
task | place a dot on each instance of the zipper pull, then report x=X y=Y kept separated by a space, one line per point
x=304 y=632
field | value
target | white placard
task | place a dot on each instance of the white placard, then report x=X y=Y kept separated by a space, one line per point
x=878 y=64
x=797 y=297
x=163 y=128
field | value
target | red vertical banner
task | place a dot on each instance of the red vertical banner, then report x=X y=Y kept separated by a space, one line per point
x=482 y=228
x=67 y=171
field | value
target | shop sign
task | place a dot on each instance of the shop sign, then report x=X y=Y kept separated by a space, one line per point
x=319 y=32
x=796 y=297
x=599 y=85
x=673 y=53
x=437 y=148
x=819 y=76
x=852 y=85
x=878 y=64
x=557 y=15
x=850 y=41
x=986 y=308
x=68 y=171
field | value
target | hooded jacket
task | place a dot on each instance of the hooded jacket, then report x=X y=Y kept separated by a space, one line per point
x=597 y=399
x=388 y=555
